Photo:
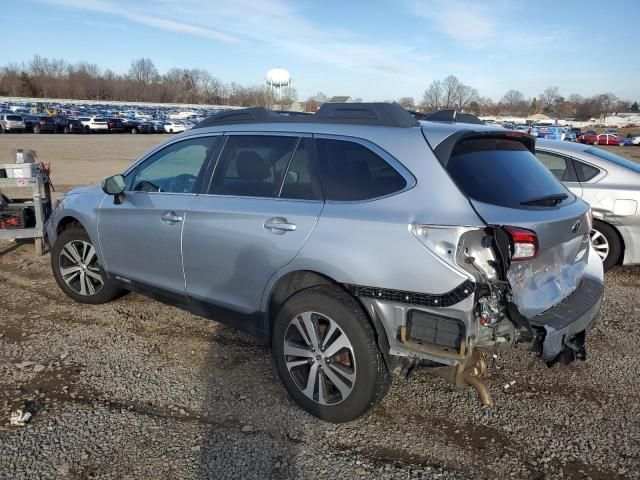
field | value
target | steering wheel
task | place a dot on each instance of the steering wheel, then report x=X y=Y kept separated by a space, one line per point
x=182 y=183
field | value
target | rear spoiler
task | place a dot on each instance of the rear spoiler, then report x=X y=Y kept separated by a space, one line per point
x=446 y=146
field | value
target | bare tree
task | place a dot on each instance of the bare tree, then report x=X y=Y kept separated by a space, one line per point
x=450 y=86
x=513 y=102
x=407 y=102
x=606 y=102
x=432 y=98
x=463 y=95
x=548 y=98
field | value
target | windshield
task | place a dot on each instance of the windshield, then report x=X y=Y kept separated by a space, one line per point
x=503 y=172
x=612 y=157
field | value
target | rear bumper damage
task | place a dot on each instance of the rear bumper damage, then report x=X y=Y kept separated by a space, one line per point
x=559 y=333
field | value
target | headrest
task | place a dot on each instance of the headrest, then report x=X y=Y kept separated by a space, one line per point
x=251 y=166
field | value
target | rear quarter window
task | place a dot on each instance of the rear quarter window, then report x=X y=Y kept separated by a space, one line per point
x=501 y=172
x=350 y=171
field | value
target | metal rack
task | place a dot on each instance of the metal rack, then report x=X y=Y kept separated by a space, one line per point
x=21 y=178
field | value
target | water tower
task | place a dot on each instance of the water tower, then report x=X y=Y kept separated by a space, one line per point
x=278 y=79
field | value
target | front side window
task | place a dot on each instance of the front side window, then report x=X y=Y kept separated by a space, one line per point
x=253 y=165
x=175 y=168
x=350 y=171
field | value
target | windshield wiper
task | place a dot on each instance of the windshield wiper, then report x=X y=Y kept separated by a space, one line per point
x=546 y=201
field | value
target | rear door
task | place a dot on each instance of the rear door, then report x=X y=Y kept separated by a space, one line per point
x=262 y=204
x=507 y=186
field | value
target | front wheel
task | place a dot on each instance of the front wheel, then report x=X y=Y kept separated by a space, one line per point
x=77 y=271
x=326 y=354
x=606 y=243
x=36 y=129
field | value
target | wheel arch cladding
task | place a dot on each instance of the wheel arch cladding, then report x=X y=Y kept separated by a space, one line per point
x=68 y=221
x=299 y=280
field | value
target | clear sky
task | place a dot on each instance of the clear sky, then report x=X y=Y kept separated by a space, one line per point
x=375 y=49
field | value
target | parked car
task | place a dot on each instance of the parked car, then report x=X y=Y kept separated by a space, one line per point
x=570 y=137
x=137 y=126
x=69 y=125
x=611 y=184
x=576 y=131
x=589 y=137
x=611 y=139
x=174 y=127
x=275 y=224
x=10 y=122
x=158 y=126
x=94 y=124
x=635 y=140
x=115 y=125
x=550 y=132
x=43 y=123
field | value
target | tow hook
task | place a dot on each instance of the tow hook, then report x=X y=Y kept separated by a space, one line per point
x=469 y=374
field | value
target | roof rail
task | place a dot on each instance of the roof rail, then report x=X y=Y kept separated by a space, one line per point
x=379 y=114
x=452 y=116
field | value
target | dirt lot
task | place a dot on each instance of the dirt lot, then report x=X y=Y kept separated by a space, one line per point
x=136 y=389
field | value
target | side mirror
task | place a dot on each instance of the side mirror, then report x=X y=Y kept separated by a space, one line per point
x=113 y=185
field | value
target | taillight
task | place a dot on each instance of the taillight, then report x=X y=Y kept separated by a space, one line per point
x=525 y=243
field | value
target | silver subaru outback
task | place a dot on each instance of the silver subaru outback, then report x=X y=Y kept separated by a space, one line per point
x=357 y=242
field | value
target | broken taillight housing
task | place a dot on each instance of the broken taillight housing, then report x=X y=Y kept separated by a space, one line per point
x=525 y=243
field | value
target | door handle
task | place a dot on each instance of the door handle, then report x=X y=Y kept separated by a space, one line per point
x=279 y=225
x=170 y=217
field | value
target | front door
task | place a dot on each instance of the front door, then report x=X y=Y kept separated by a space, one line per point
x=140 y=237
x=262 y=205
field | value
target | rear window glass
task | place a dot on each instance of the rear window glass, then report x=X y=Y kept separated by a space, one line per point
x=501 y=172
x=350 y=171
x=99 y=120
x=612 y=157
x=15 y=118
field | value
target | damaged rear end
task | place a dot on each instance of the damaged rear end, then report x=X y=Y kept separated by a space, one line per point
x=537 y=279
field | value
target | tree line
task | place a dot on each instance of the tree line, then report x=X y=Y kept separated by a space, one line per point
x=451 y=93
x=56 y=78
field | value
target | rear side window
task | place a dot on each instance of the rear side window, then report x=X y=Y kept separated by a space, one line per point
x=253 y=165
x=555 y=163
x=585 y=172
x=501 y=172
x=350 y=171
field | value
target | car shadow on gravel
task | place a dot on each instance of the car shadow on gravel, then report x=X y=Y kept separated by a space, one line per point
x=245 y=434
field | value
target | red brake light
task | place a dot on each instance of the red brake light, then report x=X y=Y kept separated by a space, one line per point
x=525 y=243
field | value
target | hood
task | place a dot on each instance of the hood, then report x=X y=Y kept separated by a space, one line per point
x=85 y=189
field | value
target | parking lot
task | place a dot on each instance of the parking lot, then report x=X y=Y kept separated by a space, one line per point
x=137 y=389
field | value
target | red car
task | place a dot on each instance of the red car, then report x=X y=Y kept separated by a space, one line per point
x=610 y=139
x=588 y=137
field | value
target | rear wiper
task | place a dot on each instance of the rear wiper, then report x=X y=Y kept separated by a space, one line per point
x=546 y=201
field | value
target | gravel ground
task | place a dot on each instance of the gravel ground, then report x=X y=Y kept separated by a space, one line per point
x=137 y=389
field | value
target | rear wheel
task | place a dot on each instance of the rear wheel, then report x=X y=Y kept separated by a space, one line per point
x=66 y=130
x=326 y=354
x=77 y=270
x=134 y=130
x=36 y=129
x=606 y=243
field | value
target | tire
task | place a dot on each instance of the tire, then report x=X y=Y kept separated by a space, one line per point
x=74 y=242
x=366 y=378
x=134 y=130
x=66 y=130
x=596 y=142
x=36 y=129
x=607 y=244
x=2 y=130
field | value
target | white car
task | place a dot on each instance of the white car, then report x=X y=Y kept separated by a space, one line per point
x=174 y=127
x=636 y=140
x=94 y=124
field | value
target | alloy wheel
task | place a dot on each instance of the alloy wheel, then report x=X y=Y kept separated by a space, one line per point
x=600 y=244
x=320 y=358
x=79 y=268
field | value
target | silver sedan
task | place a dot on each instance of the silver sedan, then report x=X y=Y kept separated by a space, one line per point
x=611 y=185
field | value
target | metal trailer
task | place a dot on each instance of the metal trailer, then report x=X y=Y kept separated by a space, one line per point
x=29 y=189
